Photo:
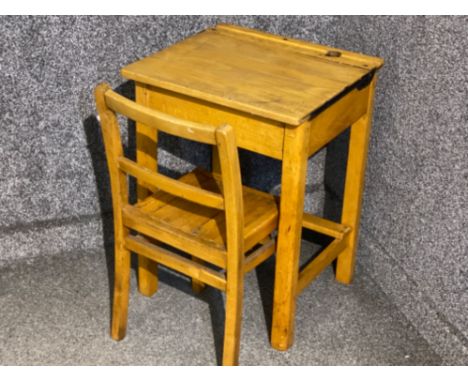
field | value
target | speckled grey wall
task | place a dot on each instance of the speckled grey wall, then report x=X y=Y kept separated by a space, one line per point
x=54 y=186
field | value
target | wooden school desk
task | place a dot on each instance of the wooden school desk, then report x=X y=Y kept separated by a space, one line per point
x=286 y=99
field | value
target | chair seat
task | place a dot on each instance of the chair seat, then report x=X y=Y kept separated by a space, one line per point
x=197 y=229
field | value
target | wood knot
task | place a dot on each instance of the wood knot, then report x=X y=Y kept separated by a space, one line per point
x=333 y=53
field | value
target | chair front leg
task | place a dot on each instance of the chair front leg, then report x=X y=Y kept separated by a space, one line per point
x=232 y=331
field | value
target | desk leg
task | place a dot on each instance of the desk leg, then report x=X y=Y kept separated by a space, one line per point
x=215 y=165
x=146 y=155
x=294 y=171
x=354 y=187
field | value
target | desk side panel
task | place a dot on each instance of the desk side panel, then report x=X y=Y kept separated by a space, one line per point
x=334 y=119
x=252 y=133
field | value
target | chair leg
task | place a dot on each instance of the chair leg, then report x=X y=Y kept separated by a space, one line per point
x=147 y=276
x=121 y=293
x=232 y=330
x=197 y=286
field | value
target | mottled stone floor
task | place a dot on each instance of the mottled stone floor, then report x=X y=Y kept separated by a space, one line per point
x=56 y=311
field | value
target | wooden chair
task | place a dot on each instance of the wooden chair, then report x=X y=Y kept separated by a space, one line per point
x=211 y=217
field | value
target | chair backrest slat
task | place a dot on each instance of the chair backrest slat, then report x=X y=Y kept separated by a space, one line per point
x=163 y=122
x=171 y=186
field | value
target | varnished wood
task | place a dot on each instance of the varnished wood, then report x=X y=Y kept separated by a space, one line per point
x=187 y=223
x=160 y=121
x=194 y=179
x=259 y=255
x=324 y=226
x=252 y=132
x=354 y=186
x=232 y=190
x=200 y=213
x=197 y=285
x=280 y=81
x=157 y=229
x=147 y=179
x=119 y=188
x=215 y=166
x=176 y=262
x=260 y=218
x=321 y=51
x=286 y=84
x=99 y=96
x=157 y=181
x=146 y=146
x=339 y=116
x=289 y=235
x=317 y=265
